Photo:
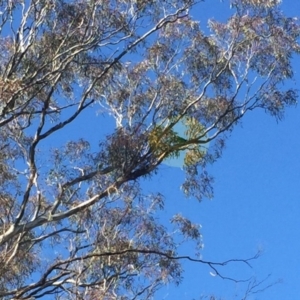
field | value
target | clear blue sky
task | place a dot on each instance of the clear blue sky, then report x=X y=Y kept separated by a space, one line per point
x=256 y=204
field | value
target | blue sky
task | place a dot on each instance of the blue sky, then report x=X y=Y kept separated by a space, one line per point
x=256 y=207
x=256 y=204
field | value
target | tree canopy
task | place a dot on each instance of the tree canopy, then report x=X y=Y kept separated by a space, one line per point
x=75 y=221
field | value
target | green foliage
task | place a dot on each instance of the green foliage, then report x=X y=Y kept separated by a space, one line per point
x=165 y=142
x=196 y=134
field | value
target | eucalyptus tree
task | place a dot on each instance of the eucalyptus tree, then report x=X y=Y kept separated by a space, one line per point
x=75 y=221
